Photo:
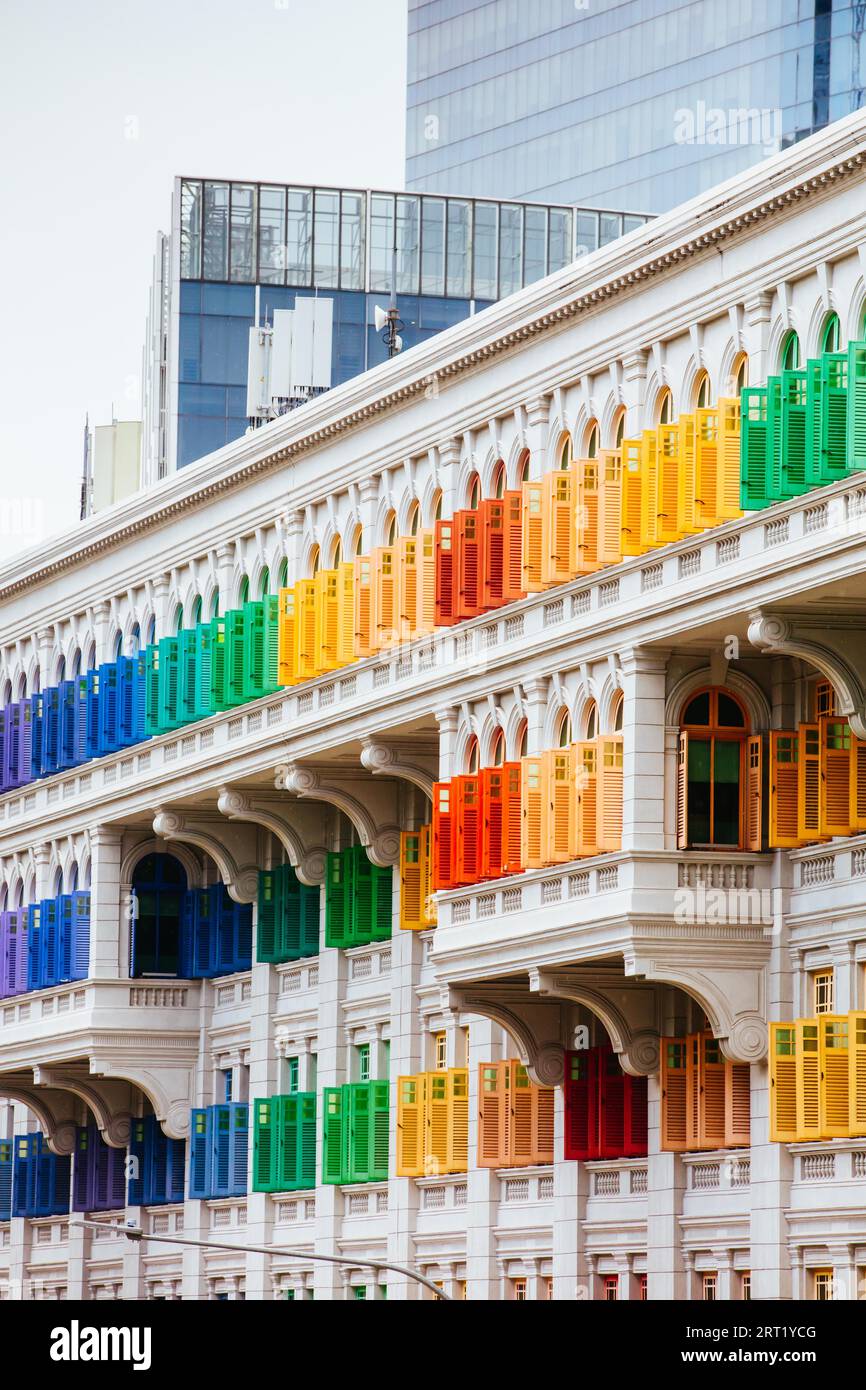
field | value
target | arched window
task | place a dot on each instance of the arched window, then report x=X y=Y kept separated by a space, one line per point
x=591 y=721
x=472 y=755
x=243 y=591
x=563 y=729
x=790 y=359
x=284 y=573
x=666 y=407
x=151 y=627
x=740 y=372
x=702 y=391
x=118 y=645
x=617 y=714
x=37 y=681
x=196 y=610
x=73 y=879
x=521 y=741
x=391 y=528
x=61 y=676
x=565 y=452
x=22 y=687
x=437 y=506
x=135 y=640
x=6 y=697
x=215 y=603
x=265 y=583
x=832 y=335
x=75 y=664
x=619 y=428
x=414 y=516
x=499 y=479
x=178 y=617
x=473 y=492
x=712 y=768
x=591 y=437
x=158 y=885
x=523 y=467
x=497 y=749
x=314 y=560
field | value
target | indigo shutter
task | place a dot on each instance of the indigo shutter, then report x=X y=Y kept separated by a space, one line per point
x=82 y=1176
x=221 y=1150
x=175 y=1167
x=157 y=1159
x=137 y=1132
x=200 y=1153
x=50 y=729
x=22 y=953
x=240 y=1123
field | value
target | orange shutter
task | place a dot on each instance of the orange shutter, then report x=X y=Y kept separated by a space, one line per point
x=587 y=797
x=443 y=837
x=425 y=585
x=586 y=516
x=784 y=833
x=492 y=821
x=728 y=469
x=558 y=773
x=609 y=825
x=363 y=630
x=610 y=501
x=407 y=586
x=683 y=792
x=857 y=813
x=687 y=519
x=754 y=792
x=709 y=1080
x=674 y=1053
x=327 y=619
x=445 y=577
x=511 y=814
x=706 y=466
x=521 y=1145
x=305 y=629
x=783 y=1083
x=492 y=1115
x=410 y=1127
x=809 y=782
x=630 y=541
x=532 y=538
x=383 y=606
x=669 y=448
x=558 y=529
x=544 y=1098
x=467 y=842
x=738 y=1105
x=857 y=1074
x=288 y=669
x=512 y=564
x=467 y=563
x=532 y=817
x=492 y=520
x=345 y=613
x=835 y=806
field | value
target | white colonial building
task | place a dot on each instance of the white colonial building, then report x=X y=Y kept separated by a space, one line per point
x=729 y=635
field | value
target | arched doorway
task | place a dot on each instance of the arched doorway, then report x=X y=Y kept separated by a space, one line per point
x=159 y=887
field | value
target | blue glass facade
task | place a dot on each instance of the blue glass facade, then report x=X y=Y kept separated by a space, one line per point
x=637 y=105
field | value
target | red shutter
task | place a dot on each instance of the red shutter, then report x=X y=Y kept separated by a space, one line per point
x=445 y=615
x=492 y=520
x=467 y=839
x=492 y=821
x=443 y=836
x=512 y=564
x=467 y=557
x=581 y=1104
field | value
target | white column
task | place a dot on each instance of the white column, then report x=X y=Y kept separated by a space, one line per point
x=535 y=691
x=643 y=812
x=569 y=1210
x=538 y=422
x=407 y=954
x=329 y=1281
x=757 y=335
x=369 y=491
x=483 y=1283
x=449 y=471
x=105 y=905
x=263 y=1082
x=225 y=574
x=634 y=392
x=665 y=1186
x=447 y=719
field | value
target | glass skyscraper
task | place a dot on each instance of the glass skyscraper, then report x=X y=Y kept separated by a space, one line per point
x=637 y=105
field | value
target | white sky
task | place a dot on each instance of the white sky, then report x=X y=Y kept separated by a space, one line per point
x=294 y=90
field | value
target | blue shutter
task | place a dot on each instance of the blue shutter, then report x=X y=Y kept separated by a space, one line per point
x=82 y=1178
x=49 y=943
x=4 y=719
x=156 y=1184
x=200 y=1154
x=6 y=1166
x=22 y=951
x=5 y=928
x=22 y=1174
x=116 y=1195
x=108 y=697
x=243 y=935
x=139 y=698
x=203 y=959
x=25 y=751
x=63 y=962
x=137 y=1143
x=67 y=741
x=36 y=735
x=60 y=1177
x=34 y=946
x=50 y=730
x=186 y=968
x=80 y=953
x=176 y=1160
x=240 y=1123
x=223 y=930
x=221 y=1150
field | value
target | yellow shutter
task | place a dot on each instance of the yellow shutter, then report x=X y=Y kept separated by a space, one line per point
x=687 y=516
x=305 y=629
x=533 y=527
x=411 y=881
x=728 y=464
x=706 y=467
x=532 y=813
x=407 y=586
x=436 y=1123
x=558 y=780
x=808 y=1080
x=425 y=587
x=857 y=1074
x=327 y=619
x=649 y=526
x=288 y=668
x=587 y=797
x=835 y=1120
x=835 y=805
x=609 y=808
x=558 y=541
x=458 y=1104
x=345 y=613
x=668 y=487
x=630 y=512
x=586 y=516
x=683 y=792
x=857 y=812
x=754 y=792
x=809 y=782
x=783 y=1083
x=784 y=818
x=429 y=903
x=383 y=609
x=363 y=589
x=610 y=518
x=410 y=1127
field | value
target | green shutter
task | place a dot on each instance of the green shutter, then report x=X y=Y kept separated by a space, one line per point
x=151 y=691
x=834 y=416
x=794 y=432
x=219 y=664
x=383 y=898
x=169 y=661
x=269 y=915
x=289 y=1141
x=265 y=1175
x=254 y=650
x=856 y=406
x=813 y=422
x=271 y=663
x=234 y=658
x=333 y=1146
x=186 y=699
x=204 y=695
x=290 y=935
x=306 y=1171
x=379 y=1091
x=310 y=914
x=360 y=1136
x=774 y=437
x=362 y=895
x=338 y=901
x=754 y=449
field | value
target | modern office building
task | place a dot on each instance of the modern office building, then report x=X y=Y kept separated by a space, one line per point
x=482 y=888
x=241 y=253
x=631 y=105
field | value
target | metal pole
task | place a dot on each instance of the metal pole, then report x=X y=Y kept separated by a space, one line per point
x=136 y=1233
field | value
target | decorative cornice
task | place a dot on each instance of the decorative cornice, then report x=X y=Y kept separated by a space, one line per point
x=550 y=318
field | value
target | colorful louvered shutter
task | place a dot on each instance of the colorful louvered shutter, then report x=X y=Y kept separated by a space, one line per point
x=338 y=901
x=381 y=1123
x=411 y=882
x=467 y=840
x=683 y=791
x=383 y=901
x=443 y=837
x=437 y=1123
x=835 y=803
x=587 y=797
x=586 y=517
x=492 y=563
x=707 y=467
x=512 y=564
x=738 y=1105
x=834 y=416
x=234 y=657
x=268 y=911
x=774 y=437
x=784 y=779
x=834 y=1095
x=492 y=1115
x=425 y=611
x=754 y=792
x=609 y=808
x=265 y=1144
x=445 y=576
x=334 y=1138
x=305 y=629
x=522 y=1115
x=512 y=862
x=492 y=780
x=288 y=669
x=856 y=407
x=755 y=449
x=857 y=784
x=669 y=449
x=458 y=1119
x=345 y=613
x=532 y=813
x=674 y=1103
x=559 y=538
x=808 y=1076
x=384 y=614
x=687 y=479
x=407 y=586
x=306 y=1167
x=427 y=861
x=783 y=1083
x=809 y=782
x=200 y=1159
x=558 y=776
x=649 y=496
x=610 y=507
x=410 y=1127
x=857 y=1074
x=467 y=560
x=363 y=606
x=357 y=1097
x=327 y=620
x=630 y=509
x=794 y=434
x=707 y=1077
x=581 y=1104
x=532 y=540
